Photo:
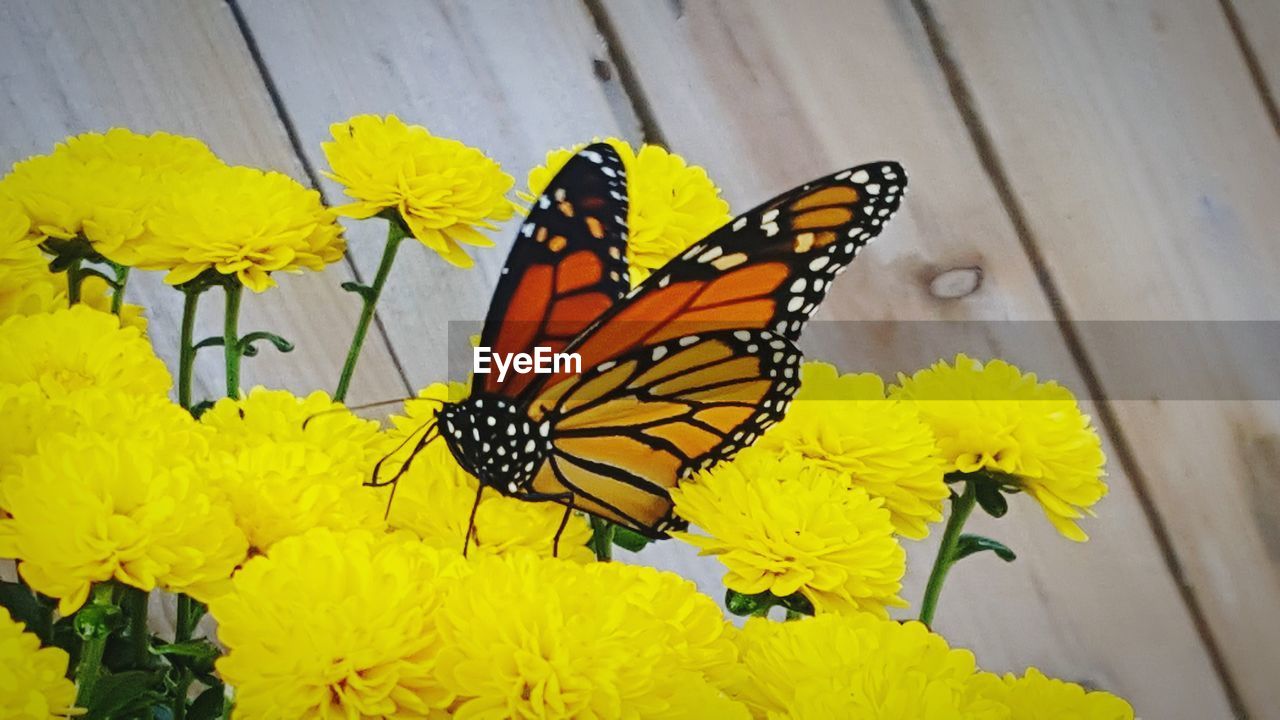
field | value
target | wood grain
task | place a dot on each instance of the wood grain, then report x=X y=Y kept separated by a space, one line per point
x=767 y=96
x=181 y=67
x=1147 y=168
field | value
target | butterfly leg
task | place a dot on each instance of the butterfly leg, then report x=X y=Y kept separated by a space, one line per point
x=564 y=520
x=471 y=521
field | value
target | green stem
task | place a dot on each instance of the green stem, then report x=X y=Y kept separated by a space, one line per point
x=370 y=295
x=231 y=337
x=73 y=281
x=602 y=538
x=94 y=629
x=122 y=281
x=186 y=347
x=183 y=630
x=961 y=507
x=135 y=601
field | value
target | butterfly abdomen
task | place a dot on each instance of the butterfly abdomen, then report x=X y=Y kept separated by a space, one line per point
x=495 y=440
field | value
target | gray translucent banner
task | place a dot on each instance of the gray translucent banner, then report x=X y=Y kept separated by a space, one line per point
x=1131 y=360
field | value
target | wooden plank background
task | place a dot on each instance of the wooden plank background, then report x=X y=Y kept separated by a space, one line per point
x=1085 y=160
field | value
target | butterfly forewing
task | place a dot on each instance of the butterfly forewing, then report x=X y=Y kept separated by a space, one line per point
x=769 y=268
x=567 y=266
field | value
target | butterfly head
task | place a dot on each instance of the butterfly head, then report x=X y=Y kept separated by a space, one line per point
x=496 y=441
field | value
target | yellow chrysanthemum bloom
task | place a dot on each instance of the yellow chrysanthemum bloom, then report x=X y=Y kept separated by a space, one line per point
x=845 y=423
x=33 y=681
x=1037 y=697
x=30 y=416
x=240 y=221
x=783 y=524
x=442 y=189
x=103 y=186
x=856 y=666
x=27 y=287
x=529 y=637
x=672 y=204
x=333 y=625
x=77 y=348
x=288 y=464
x=90 y=507
x=993 y=417
x=435 y=496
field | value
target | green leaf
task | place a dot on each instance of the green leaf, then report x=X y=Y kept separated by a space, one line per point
x=215 y=341
x=990 y=498
x=744 y=605
x=27 y=608
x=364 y=291
x=208 y=705
x=198 y=655
x=124 y=694
x=969 y=544
x=246 y=342
x=629 y=539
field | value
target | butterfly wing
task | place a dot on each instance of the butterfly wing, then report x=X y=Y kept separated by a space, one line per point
x=626 y=431
x=567 y=266
x=769 y=268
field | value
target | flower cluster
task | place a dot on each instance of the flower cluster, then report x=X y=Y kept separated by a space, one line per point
x=358 y=571
x=392 y=626
x=166 y=202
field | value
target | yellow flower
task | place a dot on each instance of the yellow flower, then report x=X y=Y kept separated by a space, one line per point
x=993 y=417
x=529 y=637
x=785 y=525
x=91 y=507
x=103 y=186
x=1036 y=697
x=845 y=423
x=30 y=416
x=335 y=625
x=288 y=464
x=73 y=349
x=33 y=679
x=672 y=204
x=442 y=189
x=435 y=497
x=27 y=287
x=856 y=666
x=240 y=221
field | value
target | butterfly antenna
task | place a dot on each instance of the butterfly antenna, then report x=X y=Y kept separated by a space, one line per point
x=471 y=521
x=366 y=406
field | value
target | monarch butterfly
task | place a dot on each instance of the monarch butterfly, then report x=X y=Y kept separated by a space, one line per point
x=681 y=372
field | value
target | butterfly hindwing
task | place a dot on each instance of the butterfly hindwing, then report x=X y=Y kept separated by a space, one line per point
x=768 y=268
x=567 y=266
x=623 y=433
